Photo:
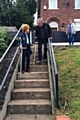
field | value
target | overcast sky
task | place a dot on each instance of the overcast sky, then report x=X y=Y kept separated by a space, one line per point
x=35 y=21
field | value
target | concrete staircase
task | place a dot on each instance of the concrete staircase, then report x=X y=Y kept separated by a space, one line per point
x=31 y=93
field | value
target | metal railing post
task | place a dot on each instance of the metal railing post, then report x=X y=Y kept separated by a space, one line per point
x=57 y=99
x=21 y=62
x=54 y=72
x=34 y=59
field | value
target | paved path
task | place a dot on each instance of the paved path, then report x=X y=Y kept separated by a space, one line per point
x=29 y=117
x=65 y=44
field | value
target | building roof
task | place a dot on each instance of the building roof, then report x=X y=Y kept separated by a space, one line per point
x=9 y=29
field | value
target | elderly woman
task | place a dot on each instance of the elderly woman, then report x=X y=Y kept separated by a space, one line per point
x=25 y=46
x=70 y=31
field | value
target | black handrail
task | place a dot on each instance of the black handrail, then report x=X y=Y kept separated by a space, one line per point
x=54 y=72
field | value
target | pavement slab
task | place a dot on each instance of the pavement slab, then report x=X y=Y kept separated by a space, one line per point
x=62 y=118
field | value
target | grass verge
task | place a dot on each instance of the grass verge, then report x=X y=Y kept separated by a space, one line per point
x=68 y=63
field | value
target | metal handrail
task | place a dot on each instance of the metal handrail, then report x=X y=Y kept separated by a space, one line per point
x=4 y=79
x=52 y=65
x=54 y=71
x=10 y=45
x=54 y=61
x=35 y=50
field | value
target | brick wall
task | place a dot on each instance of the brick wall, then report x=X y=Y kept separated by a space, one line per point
x=60 y=15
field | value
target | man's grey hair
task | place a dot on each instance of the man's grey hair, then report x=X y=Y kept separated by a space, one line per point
x=40 y=20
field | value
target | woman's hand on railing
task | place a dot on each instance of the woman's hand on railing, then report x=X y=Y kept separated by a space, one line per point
x=50 y=38
x=31 y=44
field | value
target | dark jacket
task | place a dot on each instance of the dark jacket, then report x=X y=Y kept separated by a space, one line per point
x=22 y=39
x=47 y=31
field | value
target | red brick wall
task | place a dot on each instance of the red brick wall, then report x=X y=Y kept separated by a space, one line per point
x=60 y=15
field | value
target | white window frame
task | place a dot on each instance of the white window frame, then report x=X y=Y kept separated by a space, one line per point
x=54 y=24
x=76 y=22
x=56 y=5
x=76 y=5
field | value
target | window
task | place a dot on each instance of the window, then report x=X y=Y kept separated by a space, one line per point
x=77 y=22
x=78 y=26
x=77 y=4
x=54 y=25
x=52 y=4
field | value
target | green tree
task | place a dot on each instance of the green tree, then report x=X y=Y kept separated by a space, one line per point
x=16 y=14
x=5 y=7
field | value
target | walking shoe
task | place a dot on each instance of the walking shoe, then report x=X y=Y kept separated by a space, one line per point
x=38 y=61
x=27 y=70
x=45 y=60
x=23 y=71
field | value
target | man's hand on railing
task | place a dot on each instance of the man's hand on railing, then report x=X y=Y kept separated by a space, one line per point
x=36 y=38
x=36 y=42
x=20 y=47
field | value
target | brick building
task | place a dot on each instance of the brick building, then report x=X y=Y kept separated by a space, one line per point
x=57 y=13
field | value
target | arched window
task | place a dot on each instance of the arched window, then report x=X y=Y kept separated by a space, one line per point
x=54 y=25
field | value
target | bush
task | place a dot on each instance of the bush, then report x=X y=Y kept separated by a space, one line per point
x=4 y=41
x=3 y=44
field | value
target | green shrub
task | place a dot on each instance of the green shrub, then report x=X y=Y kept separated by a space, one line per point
x=5 y=40
x=3 y=44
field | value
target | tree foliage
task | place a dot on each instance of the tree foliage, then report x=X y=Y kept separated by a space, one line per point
x=3 y=44
x=16 y=14
x=5 y=40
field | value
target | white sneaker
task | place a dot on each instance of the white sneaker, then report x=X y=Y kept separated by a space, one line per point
x=45 y=60
x=38 y=61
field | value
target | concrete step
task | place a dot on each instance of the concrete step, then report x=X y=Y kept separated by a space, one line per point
x=32 y=83
x=29 y=117
x=29 y=107
x=33 y=75
x=38 y=68
x=41 y=63
x=31 y=93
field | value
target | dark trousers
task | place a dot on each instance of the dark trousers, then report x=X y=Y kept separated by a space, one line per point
x=40 y=49
x=26 y=54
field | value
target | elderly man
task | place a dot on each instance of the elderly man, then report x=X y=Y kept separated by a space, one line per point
x=42 y=33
